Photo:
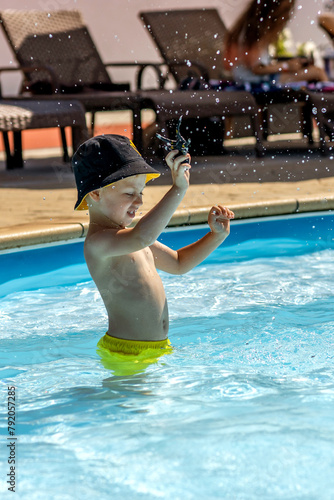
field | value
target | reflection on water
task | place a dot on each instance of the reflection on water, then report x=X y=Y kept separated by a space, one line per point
x=242 y=407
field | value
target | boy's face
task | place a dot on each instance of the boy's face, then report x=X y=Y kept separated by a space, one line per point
x=120 y=201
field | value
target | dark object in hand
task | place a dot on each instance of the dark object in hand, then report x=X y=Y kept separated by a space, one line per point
x=180 y=143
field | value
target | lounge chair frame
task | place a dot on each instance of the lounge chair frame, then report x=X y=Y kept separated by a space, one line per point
x=179 y=36
x=191 y=43
x=59 y=59
x=19 y=115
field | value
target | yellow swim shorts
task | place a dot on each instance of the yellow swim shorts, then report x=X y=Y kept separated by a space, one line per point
x=128 y=357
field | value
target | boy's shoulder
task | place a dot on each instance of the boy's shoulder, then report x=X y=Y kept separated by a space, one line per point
x=99 y=239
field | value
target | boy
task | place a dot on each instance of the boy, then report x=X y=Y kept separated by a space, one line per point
x=123 y=262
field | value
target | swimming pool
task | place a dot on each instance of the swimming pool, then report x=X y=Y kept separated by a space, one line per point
x=242 y=408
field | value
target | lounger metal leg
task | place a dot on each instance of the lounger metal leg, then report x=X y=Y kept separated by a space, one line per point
x=92 y=124
x=13 y=160
x=223 y=129
x=322 y=136
x=306 y=113
x=17 y=153
x=259 y=147
x=66 y=157
x=137 y=127
x=9 y=158
x=79 y=135
x=265 y=122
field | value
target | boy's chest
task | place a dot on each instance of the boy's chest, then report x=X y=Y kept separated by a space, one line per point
x=135 y=274
x=140 y=263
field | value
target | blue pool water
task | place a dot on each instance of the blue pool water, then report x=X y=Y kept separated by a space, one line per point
x=243 y=407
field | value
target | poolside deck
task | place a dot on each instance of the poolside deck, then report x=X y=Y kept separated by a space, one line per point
x=37 y=202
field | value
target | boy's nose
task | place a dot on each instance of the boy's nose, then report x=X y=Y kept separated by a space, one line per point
x=139 y=201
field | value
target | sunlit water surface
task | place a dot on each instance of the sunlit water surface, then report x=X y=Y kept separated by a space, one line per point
x=242 y=408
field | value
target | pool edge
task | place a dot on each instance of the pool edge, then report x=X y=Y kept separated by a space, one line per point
x=41 y=233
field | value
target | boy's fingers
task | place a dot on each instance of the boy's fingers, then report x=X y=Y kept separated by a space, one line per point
x=172 y=153
x=226 y=211
x=170 y=157
x=174 y=161
x=223 y=213
x=181 y=160
x=185 y=166
x=215 y=210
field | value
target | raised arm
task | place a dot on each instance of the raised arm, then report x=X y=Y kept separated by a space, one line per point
x=186 y=258
x=154 y=222
x=110 y=240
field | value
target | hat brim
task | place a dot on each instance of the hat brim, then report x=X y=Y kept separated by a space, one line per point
x=126 y=171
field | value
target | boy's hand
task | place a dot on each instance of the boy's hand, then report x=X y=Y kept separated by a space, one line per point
x=219 y=219
x=179 y=169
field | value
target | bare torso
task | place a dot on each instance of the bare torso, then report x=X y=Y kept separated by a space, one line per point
x=132 y=292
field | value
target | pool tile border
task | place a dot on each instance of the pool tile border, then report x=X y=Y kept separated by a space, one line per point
x=41 y=233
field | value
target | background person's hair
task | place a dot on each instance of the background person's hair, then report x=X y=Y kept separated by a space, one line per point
x=260 y=24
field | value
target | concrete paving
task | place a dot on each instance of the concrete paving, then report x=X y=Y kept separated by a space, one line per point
x=37 y=201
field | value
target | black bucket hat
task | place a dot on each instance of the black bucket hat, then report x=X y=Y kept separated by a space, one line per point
x=103 y=160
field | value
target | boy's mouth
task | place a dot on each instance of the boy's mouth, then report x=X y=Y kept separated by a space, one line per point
x=131 y=213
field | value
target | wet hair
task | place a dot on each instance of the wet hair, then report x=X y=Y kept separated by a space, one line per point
x=261 y=23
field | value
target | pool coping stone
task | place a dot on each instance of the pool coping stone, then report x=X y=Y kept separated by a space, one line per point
x=41 y=233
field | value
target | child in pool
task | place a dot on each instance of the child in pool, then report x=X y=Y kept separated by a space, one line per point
x=123 y=261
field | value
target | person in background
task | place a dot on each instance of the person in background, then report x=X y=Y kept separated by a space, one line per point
x=246 y=53
x=326 y=22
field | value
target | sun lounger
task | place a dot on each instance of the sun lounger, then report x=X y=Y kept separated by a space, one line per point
x=321 y=105
x=67 y=64
x=202 y=105
x=19 y=115
x=191 y=43
x=58 y=57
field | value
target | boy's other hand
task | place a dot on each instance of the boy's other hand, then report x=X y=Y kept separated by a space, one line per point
x=179 y=169
x=219 y=219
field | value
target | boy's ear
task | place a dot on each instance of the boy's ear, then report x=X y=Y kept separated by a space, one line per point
x=95 y=195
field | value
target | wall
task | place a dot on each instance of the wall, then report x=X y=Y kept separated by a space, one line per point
x=120 y=36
